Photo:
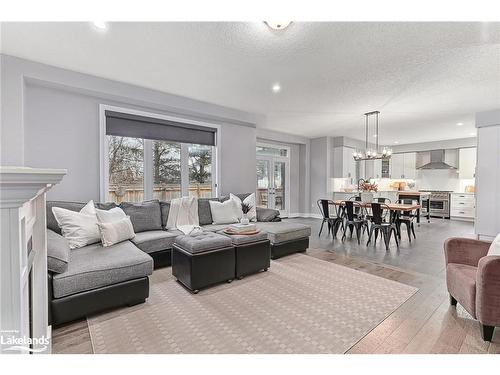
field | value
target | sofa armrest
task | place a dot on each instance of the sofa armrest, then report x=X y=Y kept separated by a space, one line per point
x=488 y=290
x=267 y=214
x=465 y=250
x=57 y=252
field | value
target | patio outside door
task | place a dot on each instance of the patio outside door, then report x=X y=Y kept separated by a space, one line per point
x=273 y=183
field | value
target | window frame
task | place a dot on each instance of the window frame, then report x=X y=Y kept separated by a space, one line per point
x=148 y=153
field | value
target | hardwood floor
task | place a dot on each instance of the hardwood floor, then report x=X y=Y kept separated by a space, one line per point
x=426 y=323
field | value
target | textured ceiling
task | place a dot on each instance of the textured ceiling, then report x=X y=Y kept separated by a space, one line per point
x=423 y=77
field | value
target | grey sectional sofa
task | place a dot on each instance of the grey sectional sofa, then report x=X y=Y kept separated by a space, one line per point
x=91 y=279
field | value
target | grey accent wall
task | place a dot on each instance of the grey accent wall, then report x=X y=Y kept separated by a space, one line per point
x=319 y=170
x=50 y=119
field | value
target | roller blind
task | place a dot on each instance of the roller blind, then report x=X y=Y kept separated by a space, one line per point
x=129 y=125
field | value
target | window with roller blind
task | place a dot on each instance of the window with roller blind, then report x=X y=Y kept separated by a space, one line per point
x=156 y=157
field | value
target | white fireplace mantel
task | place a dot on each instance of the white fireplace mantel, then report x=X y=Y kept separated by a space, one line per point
x=23 y=259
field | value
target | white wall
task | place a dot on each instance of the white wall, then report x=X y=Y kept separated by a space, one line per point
x=54 y=123
x=320 y=171
x=488 y=175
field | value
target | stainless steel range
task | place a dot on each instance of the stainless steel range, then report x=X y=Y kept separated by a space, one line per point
x=439 y=203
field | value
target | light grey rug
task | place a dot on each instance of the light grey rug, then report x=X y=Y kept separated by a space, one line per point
x=301 y=305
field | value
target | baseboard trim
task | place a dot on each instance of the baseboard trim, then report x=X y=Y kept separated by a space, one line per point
x=304 y=215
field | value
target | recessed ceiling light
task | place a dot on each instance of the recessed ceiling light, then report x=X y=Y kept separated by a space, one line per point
x=374 y=135
x=460 y=123
x=278 y=25
x=396 y=142
x=101 y=25
x=276 y=88
x=472 y=134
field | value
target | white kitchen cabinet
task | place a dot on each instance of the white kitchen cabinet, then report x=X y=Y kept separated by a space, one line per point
x=397 y=165
x=377 y=168
x=403 y=165
x=348 y=164
x=410 y=163
x=463 y=206
x=467 y=162
x=451 y=157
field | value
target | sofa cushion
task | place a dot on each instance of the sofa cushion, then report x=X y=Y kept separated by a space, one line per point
x=73 y=206
x=284 y=231
x=57 y=252
x=144 y=215
x=461 y=281
x=51 y=220
x=93 y=266
x=203 y=241
x=204 y=212
x=165 y=209
x=242 y=196
x=267 y=214
x=155 y=240
x=105 y=206
x=214 y=227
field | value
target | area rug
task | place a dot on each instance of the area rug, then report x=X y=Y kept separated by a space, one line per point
x=300 y=305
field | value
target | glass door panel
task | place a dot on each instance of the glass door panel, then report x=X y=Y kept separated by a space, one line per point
x=279 y=185
x=263 y=183
x=272 y=184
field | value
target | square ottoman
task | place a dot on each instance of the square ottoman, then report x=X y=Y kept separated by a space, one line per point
x=253 y=252
x=202 y=260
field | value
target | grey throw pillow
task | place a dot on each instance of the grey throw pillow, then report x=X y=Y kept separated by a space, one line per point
x=204 y=212
x=57 y=252
x=267 y=214
x=165 y=209
x=144 y=216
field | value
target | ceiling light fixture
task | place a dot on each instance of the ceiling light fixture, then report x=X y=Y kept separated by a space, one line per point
x=101 y=25
x=396 y=142
x=472 y=134
x=278 y=25
x=276 y=88
x=368 y=153
x=460 y=123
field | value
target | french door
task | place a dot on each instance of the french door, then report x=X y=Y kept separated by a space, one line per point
x=273 y=183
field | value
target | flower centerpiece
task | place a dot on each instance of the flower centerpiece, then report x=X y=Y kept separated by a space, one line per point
x=367 y=190
x=245 y=207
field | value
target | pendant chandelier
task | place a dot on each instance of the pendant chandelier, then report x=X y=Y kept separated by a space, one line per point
x=372 y=153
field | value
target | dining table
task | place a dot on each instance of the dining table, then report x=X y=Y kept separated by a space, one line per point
x=395 y=208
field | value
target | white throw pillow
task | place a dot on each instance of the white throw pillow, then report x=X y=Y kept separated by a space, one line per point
x=79 y=228
x=224 y=213
x=495 y=246
x=116 y=231
x=109 y=216
x=250 y=200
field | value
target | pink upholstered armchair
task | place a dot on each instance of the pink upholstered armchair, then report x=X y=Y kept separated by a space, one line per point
x=473 y=279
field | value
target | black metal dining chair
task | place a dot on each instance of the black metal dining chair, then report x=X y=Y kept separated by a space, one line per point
x=383 y=200
x=407 y=218
x=352 y=219
x=379 y=222
x=333 y=222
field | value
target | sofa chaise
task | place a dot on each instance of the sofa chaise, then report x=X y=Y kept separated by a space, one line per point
x=92 y=279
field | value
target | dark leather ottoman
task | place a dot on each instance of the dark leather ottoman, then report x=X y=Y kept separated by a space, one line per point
x=253 y=253
x=202 y=260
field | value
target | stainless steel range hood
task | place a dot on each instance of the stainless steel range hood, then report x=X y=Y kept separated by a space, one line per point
x=437 y=161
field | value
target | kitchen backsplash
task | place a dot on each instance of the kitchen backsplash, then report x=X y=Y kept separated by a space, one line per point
x=426 y=180
x=438 y=179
